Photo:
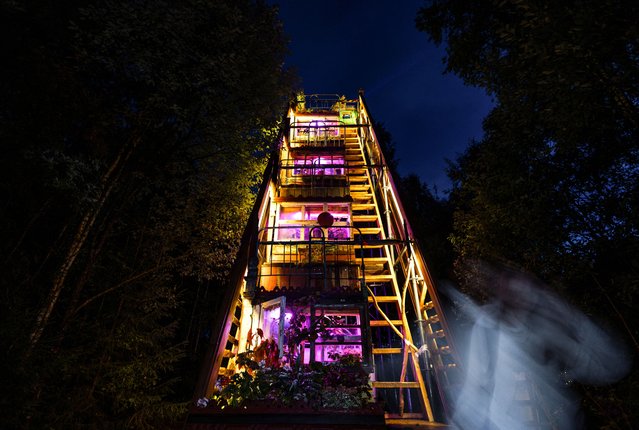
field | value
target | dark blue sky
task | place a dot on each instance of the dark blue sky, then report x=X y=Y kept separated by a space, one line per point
x=339 y=47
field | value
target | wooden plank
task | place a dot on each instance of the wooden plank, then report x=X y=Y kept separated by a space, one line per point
x=382 y=351
x=379 y=278
x=364 y=218
x=384 y=323
x=373 y=260
x=444 y=350
x=412 y=423
x=363 y=206
x=393 y=384
x=383 y=299
x=405 y=415
x=437 y=334
x=367 y=230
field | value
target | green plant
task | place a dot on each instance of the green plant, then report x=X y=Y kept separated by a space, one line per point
x=346 y=383
x=341 y=384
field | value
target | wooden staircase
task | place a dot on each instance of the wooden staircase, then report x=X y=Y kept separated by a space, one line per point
x=399 y=374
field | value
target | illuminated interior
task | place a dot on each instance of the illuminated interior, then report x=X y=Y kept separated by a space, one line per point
x=299 y=222
x=342 y=331
x=330 y=165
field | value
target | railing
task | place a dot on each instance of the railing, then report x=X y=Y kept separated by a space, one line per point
x=318 y=264
x=325 y=102
x=318 y=133
x=312 y=180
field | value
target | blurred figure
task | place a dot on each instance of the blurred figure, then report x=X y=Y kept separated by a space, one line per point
x=525 y=347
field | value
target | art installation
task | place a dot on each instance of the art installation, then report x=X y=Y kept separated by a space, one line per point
x=333 y=310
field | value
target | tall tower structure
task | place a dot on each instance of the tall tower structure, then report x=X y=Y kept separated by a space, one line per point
x=329 y=240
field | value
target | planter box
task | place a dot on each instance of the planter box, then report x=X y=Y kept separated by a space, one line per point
x=263 y=415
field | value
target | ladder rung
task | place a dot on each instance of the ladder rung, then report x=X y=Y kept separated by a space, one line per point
x=393 y=384
x=428 y=306
x=384 y=323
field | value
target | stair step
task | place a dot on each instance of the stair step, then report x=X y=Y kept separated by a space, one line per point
x=444 y=350
x=410 y=423
x=437 y=334
x=364 y=218
x=377 y=266
x=367 y=230
x=373 y=260
x=432 y=320
x=362 y=206
x=393 y=384
x=361 y=195
x=384 y=323
x=446 y=367
x=382 y=351
x=378 y=278
x=359 y=188
x=369 y=246
x=383 y=299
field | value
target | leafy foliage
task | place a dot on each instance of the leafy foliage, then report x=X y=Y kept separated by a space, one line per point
x=552 y=186
x=135 y=133
x=341 y=384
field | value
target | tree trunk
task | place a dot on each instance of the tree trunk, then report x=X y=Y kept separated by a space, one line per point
x=108 y=182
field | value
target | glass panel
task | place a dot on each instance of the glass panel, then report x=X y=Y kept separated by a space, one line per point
x=290 y=213
x=272 y=321
x=312 y=211
x=288 y=233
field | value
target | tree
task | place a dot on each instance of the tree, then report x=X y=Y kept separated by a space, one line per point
x=134 y=134
x=431 y=220
x=552 y=186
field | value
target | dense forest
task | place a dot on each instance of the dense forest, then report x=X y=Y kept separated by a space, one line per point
x=134 y=135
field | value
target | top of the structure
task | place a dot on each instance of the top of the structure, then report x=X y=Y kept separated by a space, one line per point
x=313 y=103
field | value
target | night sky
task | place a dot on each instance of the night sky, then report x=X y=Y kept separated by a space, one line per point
x=339 y=47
